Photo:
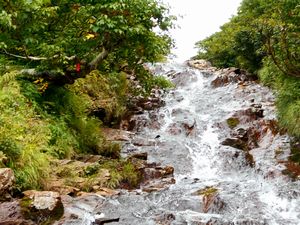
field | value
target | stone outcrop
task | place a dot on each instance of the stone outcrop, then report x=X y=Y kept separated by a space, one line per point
x=232 y=75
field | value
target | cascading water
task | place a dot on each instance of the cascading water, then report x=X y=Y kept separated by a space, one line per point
x=246 y=195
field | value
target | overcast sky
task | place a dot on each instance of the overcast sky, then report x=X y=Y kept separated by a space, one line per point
x=201 y=18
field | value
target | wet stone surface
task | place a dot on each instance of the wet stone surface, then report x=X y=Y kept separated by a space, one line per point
x=246 y=193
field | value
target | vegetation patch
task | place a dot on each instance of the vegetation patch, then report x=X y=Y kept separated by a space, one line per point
x=207 y=191
x=232 y=122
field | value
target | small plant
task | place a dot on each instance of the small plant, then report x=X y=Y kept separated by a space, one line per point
x=207 y=191
x=232 y=122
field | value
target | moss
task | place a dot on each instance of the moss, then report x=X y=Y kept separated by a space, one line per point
x=232 y=122
x=207 y=191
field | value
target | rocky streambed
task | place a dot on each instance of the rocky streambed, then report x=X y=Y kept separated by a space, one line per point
x=212 y=154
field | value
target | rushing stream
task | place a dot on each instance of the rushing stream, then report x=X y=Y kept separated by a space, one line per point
x=246 y=195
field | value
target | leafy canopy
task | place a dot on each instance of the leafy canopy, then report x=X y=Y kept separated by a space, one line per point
x=262 y=28
x=98 y=34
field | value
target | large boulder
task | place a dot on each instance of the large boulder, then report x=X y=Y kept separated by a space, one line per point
x=41 y=206
x=7 y=180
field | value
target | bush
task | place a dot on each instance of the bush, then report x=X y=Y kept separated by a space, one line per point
x=288 y=96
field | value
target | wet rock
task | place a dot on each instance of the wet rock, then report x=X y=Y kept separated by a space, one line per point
x=292 y=170
x=142 y=156
x=138 y=141
x=148 y=105
x=10 y=214
x=165 y=219
x=212 y=203
x=135 y=123
x=220 y=81
x=242 y=134
x=235 y=143
x=7 y=180
x=154 y=121
x=174 y=129
x=232 y=75
x=157 y=172
x=41 y=206
x=81 y=210
x=102 y=221
x=181 y=79
x=184 y=121
x=156 y=178
x=157 y=185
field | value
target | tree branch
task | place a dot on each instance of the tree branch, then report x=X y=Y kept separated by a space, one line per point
x=99 y=58
x=25 y=57
x=34 y=58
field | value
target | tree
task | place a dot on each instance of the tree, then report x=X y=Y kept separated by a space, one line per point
x=66 y=39
x=262 y=28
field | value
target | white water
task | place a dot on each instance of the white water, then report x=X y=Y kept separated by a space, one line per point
x=250 y=198
x=249 y=194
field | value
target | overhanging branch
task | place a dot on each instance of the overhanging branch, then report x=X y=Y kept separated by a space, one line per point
x=34 y=58
x=25 y=57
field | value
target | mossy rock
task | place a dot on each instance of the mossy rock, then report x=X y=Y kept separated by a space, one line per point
x=232 y=122
x=207 y=191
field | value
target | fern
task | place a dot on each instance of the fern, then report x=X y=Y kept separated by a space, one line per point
x=7 y=77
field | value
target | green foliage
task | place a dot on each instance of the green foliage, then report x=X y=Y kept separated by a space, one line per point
x=288 y=96
x=43 y=118
x=47 y=34
x=122 y=172
x=62 y=143
x=288 y=104
x=263 y=38
x=157 y=82
x=261 y=28
x=104 y=91
x=24 y=137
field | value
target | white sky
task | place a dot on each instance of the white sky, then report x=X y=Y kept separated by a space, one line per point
x=201 y=18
